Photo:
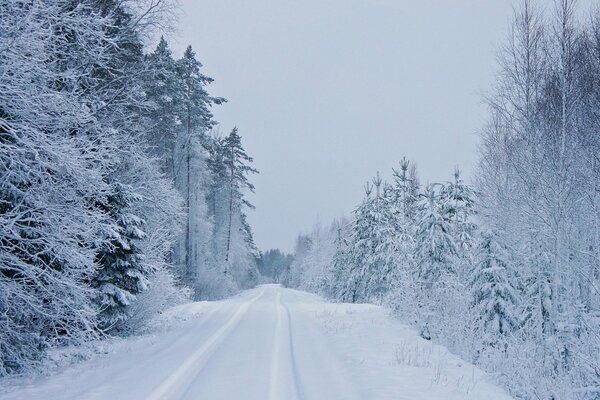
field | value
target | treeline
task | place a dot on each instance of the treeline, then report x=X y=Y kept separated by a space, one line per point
x=505 y=273
x=273 y=265
x=116 y=196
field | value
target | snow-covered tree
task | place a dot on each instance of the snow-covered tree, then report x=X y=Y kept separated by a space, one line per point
x=458 y=199
x=372 y=245
x=494 y=294
x=274 y=264
x=339 y=268
x=193 y=253
x=52 y=165
x=161 y=207
x=435 y=246
x=239 y=250
x=164 y=92
x=538 y=182
x=406 y=192
x=93 y=138
x=435 y=259
x=232 y=244
x=122 y=272
x=237 y=167
x=405 y=207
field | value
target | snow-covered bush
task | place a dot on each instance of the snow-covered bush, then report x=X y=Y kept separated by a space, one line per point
x=163 y=292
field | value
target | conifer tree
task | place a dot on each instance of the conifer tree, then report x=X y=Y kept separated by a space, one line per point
x=406 y=192
x=237 y=164
x=435 y=247
x=191 y=173
x=406 y=201
x=163 y=89
x=458 y=199
x=373 y=244
x=435 y=253
x=494 y=296
x=339 y=287
x=123 y=272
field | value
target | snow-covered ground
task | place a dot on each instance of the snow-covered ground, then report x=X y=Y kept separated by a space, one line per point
x=267 y=343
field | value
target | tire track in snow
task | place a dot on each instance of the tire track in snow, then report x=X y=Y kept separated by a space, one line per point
x=88 y=392
x=180 y=378
x=276 y=388
x=297 y=382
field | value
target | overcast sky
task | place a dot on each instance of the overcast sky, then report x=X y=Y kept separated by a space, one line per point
x=327 y=93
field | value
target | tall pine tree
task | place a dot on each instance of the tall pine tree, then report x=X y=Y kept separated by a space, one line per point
x=237 y=168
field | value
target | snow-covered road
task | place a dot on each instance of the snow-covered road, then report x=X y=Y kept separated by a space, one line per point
x=269 y=343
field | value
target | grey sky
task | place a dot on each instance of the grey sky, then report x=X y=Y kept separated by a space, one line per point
x=326 y=93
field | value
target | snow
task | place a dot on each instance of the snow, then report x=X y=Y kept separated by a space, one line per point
x=267 y=343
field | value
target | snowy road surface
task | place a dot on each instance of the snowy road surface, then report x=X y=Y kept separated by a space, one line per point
x=268 y=343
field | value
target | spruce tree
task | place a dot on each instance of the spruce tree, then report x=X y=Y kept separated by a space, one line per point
x=493 y=295
x=122 y=273
x=163 y=90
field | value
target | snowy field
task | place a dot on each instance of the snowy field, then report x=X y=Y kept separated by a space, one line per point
x=267 y=343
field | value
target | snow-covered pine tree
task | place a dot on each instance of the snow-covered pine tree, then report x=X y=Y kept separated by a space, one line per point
x=164 y=91
x=405 y=208
x=458 y=199
x=191 y=173
x=349 y=260
x=218 y=171
x=406 y=192
x=394 y=244
x=373 y=245
x=252 y=273
x=337 y=287
x=494 y=296
x=239 y=249
x=194 y=113
x=435 y=253
x=122 y=272
x=435 y=246
x=459 y=208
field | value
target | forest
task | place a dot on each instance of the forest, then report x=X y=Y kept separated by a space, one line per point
x=118 y=197
x=505 y=271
